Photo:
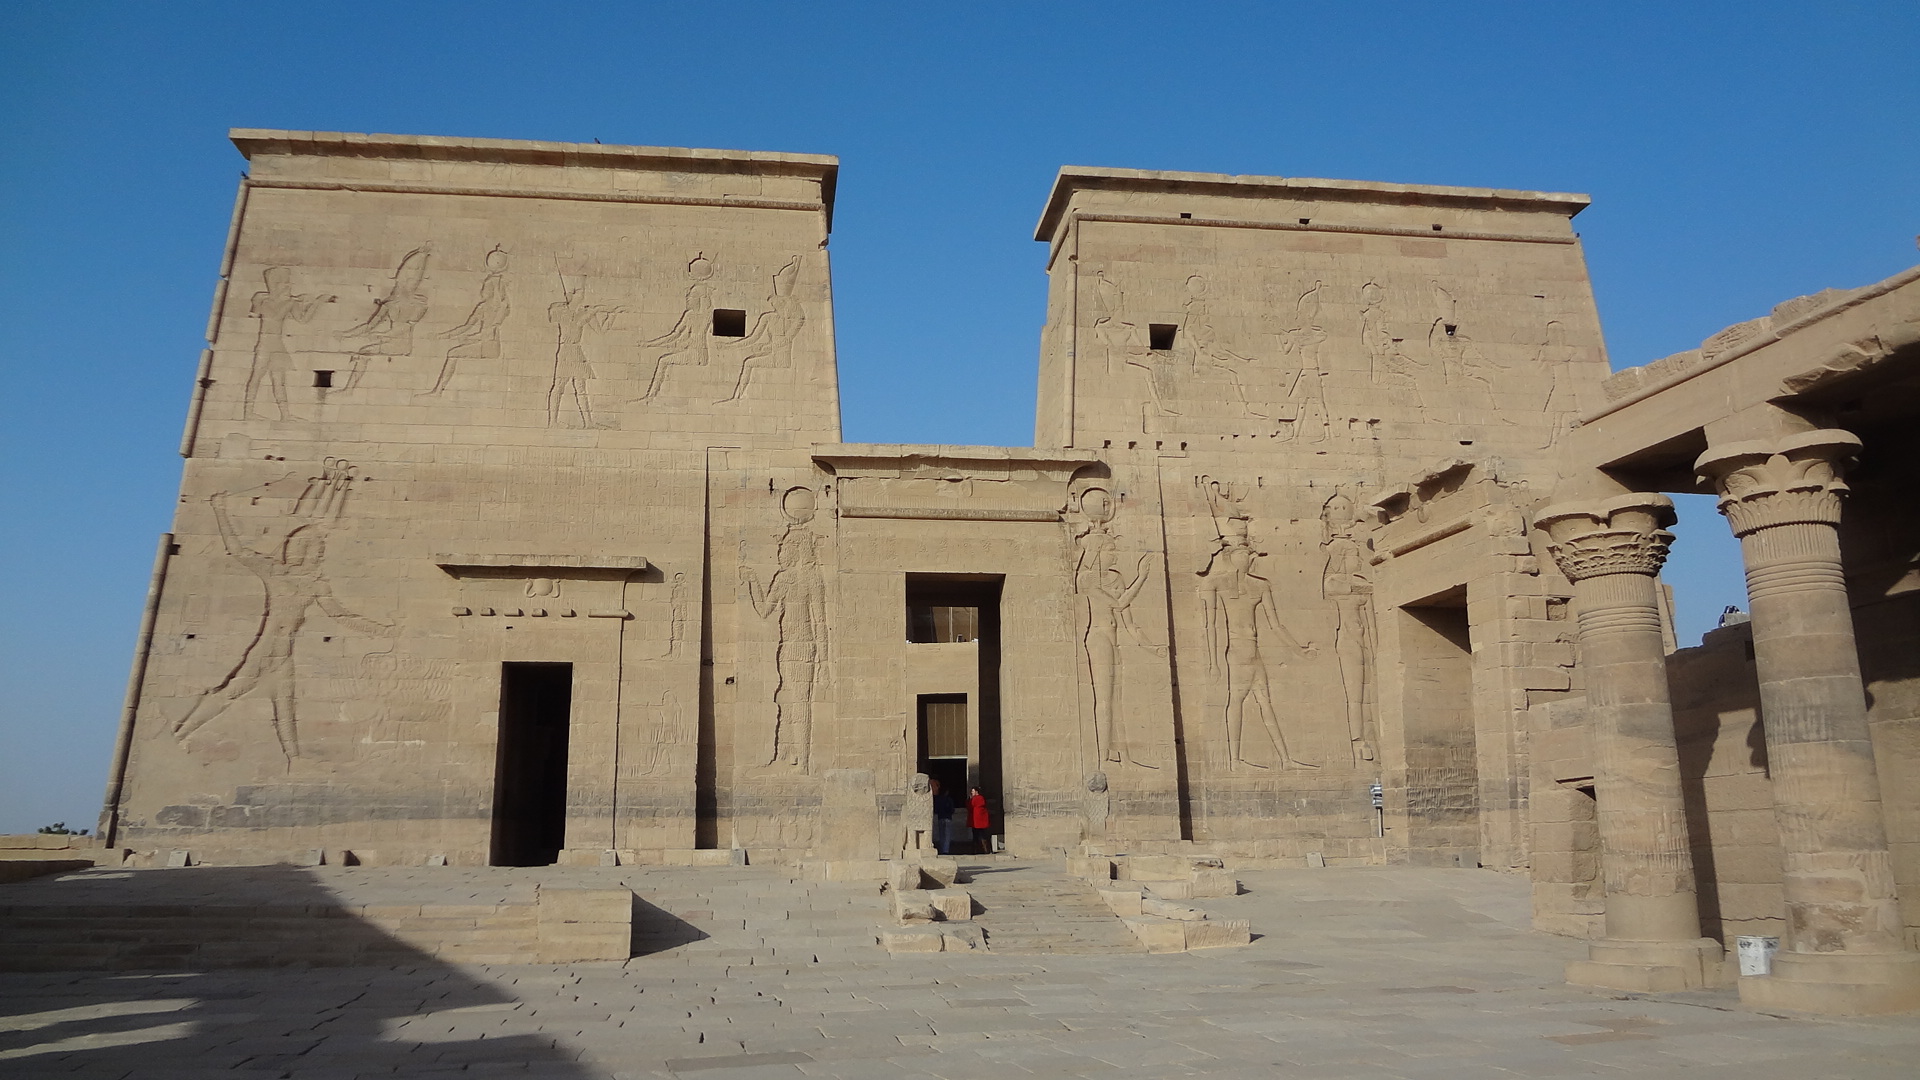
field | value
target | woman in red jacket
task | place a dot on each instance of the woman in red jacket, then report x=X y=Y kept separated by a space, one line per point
x=978 y=820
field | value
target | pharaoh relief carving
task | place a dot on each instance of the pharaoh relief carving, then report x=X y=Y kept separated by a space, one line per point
x=388 y=331
x=1119 y=341
x=292 y=574
x=1553 y=359
x=1344 y=584
x=1242 y=627
x=1205 y=344
x=570 y=395
x=478 y=337
x=795 y=598
x=687 y=344
x=1467 y=370
x=662 y=739
x=1306 y=395
x=769 y=345
x=1104 y=593
x=1392 y=368
x=275 y=307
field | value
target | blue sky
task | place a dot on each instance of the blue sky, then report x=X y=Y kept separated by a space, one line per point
x=1738 y=154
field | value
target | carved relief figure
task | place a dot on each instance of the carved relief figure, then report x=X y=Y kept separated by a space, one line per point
x=389 y=330
x=686 y=344
x=1104 y=595
x=292 y=576
x=1306 y=398
x=1205 y=341
x=1096 y=811
x=1553 y=360
x=770 y=343
x=1344 y=583
x=1241 y=615
x=272 y=360
x=569 y=402
x=1462 y=363
x=1392 y=367
x=1119 y=339
x=479 y=336
x=796 y=598
x=656 y=751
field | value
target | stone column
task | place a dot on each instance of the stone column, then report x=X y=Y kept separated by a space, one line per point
x=1844 y=950
x=1612 y=551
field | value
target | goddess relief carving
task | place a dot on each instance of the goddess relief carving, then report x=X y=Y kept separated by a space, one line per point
x=1392 y=367
x=272 y=360
x=479 y=336
x=686 y=344
x=1344 y=583
x=1104 y=597
x=292 y=576
x=796 y=598
x=1242 y=615
x=1205 y=342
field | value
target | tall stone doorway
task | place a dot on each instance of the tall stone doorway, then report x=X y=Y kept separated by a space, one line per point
x=958 y=736
x=530 y=764
x=1443 y=824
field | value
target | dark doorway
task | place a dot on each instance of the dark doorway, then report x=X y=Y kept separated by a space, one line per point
x=530 y=769
x=944 y=742
x=1443 y=787
x=963 y=607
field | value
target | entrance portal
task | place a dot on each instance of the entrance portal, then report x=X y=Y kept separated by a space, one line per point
x=530 y=767
x=1443 y=804
x=962 y=750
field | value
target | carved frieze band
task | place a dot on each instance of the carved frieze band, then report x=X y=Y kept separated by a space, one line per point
x=1622 y=535
x=1772 y=482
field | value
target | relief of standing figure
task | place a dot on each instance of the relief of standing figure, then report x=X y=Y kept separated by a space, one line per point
x=292 y=576
x=1104 y=598
x=1239 y=604
x=796 y=597
x=272 y=360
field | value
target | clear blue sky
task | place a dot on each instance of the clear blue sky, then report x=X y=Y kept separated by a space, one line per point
x=1738 y=154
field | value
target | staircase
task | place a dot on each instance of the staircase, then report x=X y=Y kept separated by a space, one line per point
x=1032 y=907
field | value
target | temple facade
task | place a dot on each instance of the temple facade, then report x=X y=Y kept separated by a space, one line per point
x=516 y=527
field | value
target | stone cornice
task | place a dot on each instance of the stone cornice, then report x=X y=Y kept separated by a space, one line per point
x=1793 y=480
x=1625 y=534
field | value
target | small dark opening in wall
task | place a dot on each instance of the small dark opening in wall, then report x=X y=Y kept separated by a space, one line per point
x=729 y=322
x=1749 y=644
x=1160 y=336
x=1186 y=215
x=323 y=378
x=1451 y=328
x=1306 y=221
x=1436 y=228
x=173 y=549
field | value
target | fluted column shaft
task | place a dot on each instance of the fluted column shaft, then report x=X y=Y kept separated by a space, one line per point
x=1782 y=499
x=1612 y=551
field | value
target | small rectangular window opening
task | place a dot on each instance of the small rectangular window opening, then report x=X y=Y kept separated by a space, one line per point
x=323 y=378
x=1306 y=221
x=1451 y=329
x=1186 y=215
x=1160 y=336
x=729 y=322
x=1436 y=228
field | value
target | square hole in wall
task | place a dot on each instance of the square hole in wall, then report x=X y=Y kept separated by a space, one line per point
x=1160 y=336
x=729 y=322
x=323 y=378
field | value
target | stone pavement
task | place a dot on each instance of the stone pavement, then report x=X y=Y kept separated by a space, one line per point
x=1375 y=973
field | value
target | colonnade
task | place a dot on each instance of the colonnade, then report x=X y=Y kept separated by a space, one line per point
x=1843 y=950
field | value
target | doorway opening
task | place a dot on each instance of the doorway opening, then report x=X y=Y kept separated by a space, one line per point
x=1443 y=775
x=530 y=766
x=955 y=608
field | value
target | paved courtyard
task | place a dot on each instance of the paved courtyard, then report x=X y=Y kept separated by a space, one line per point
x=1387 y=973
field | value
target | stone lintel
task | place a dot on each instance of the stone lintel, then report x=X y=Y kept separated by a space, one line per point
x=541 y=565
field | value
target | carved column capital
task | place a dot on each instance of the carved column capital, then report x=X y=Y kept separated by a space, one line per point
x=1789 y=481
x=1622 y=535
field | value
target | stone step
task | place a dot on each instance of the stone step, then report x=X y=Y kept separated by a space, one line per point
x=1033 y=907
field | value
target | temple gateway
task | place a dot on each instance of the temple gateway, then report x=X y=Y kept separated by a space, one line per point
x=516 y=528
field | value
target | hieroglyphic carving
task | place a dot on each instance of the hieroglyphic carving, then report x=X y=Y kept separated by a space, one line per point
x=1204 y=340
x=796 y=598
x=686 y=344
x=1241 y=611
x=770 y=343
x=661 y=741
x=1344 y=583
x=1104 y=597
x=479 y=336
x=292 y=577
x=388 y=331
x=569 y=396
x=272 y=360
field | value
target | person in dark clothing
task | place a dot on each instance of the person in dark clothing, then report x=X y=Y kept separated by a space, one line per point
x=942 y=819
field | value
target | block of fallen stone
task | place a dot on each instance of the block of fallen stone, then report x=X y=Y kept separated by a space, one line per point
x=1159 y=935
x=962 y=937
x=1159 y=867
x=914 y=906
x=1091 y=867
x=1124 y=902
x=1171 y=890
x=914 y=940
x=1213 y=882
x=903 y=875
x=942 y=870
x=1168 y=910
x=952 y=905
x=1217 y=933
